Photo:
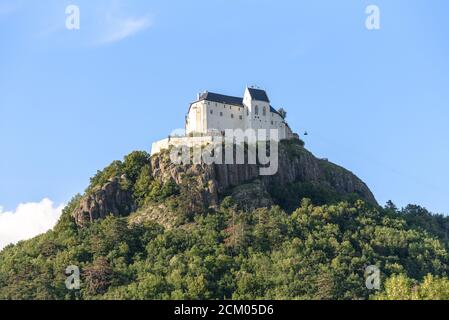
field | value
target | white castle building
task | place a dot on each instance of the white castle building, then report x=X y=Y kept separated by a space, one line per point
x=212 y=113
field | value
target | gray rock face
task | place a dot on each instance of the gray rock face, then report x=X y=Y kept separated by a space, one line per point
x=111 y=199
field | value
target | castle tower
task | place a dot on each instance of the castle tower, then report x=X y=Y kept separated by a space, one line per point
x=257 y=107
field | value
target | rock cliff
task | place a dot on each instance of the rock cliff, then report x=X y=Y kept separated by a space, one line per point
x=109 y=199
x=208 y=184
x=296 y=164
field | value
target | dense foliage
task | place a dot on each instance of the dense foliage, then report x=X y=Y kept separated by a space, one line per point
x=400 y=287
x=318 y=252
x=311 y=252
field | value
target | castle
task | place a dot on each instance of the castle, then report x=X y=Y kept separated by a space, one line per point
x=212 y=113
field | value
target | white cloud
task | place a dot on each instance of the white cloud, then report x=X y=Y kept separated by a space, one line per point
x=121 y=28
x=118 y=24
x=28 y=221
x=101 y=23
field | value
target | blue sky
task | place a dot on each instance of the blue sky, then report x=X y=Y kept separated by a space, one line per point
x=375 y=102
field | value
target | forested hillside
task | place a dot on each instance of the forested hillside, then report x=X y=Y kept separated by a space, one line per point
x=159 y=241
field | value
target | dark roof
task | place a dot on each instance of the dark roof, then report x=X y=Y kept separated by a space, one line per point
x=258 y=94
x=221 y=98
x=273 y=110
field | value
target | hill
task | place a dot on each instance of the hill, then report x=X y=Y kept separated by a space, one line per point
x=148 y=229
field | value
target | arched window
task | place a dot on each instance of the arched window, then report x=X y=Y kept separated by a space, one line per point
x=256 y=110
x=264 y=112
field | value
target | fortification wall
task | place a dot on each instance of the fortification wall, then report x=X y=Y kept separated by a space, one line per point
x=160 y=145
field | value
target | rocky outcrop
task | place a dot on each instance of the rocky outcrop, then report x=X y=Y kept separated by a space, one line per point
x=206 y=184
x=111 y=199
x=296 y=164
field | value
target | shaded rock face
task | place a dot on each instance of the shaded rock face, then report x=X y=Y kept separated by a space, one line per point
x=250 y=196
x=111 y=199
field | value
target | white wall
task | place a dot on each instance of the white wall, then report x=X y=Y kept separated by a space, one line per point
x=208 y=116
x=196 y=118
x=164 y=144
x=224 y=116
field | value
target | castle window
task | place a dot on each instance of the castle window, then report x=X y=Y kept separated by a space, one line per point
x=256 y=110
x=211 y=111
x=221 y=114
x=247 y=112
x=272 y=122
x=232 y=116
x=241 y=118
x=264 y=112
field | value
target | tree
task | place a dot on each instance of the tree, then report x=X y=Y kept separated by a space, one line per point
x=98 y=277
x=400 y=287
x=283 y=113
x=134 y=162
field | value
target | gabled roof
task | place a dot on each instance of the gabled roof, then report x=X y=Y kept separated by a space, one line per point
x=258 y=94
x=220 y=98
